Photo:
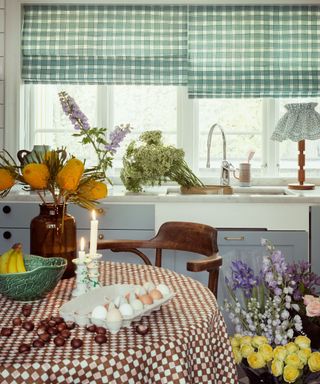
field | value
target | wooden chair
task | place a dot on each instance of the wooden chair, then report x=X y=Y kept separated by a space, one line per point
x=180 y=236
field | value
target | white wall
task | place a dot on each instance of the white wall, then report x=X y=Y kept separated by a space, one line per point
x=2 y=21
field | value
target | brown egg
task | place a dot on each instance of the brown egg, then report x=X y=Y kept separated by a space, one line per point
x=146 y=299
x=155 y=294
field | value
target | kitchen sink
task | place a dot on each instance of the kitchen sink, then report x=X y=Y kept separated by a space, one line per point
x=258 y=190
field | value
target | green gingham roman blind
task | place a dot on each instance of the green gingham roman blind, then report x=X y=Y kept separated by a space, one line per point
x=217 y=51
x=104 y=44
x=254 y=51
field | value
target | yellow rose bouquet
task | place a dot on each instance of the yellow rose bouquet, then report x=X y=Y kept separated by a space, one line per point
x=293 y=362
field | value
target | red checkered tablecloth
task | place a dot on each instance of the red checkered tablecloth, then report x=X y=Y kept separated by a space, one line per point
x=187 y=342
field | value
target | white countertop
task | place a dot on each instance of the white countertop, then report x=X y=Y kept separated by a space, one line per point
x=258 y=194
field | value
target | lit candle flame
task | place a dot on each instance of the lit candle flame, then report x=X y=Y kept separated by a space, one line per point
x=93 y=215
x=82 y=242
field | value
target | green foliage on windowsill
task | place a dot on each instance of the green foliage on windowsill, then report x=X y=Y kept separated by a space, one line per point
x=150 y=162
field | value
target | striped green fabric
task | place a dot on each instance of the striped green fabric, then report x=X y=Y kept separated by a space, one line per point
x=254 y=51
x=217 y=51
x=105 y=44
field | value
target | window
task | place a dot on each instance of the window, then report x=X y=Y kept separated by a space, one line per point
x=247 y=123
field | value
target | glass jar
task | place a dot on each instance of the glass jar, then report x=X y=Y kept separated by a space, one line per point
x=53 y=234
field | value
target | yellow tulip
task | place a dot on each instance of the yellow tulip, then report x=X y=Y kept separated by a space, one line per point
x=294 y=360
x=245 y=340
x=314 y=362
x=93 y=190
x=36 y=175
x=290 y=373
x=280 y=353
x=303 y=355
x=277 y=367
x=237 y=355
x=6 y=179
x=267 y=351
x=307 y=352
x=259 y=340
x=302 y=342
x=291 y=347
x=246 y=350
x=234 y=342
x=69 y=176
x=256 y=360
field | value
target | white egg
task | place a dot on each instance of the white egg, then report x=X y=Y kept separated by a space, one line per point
x=164 y=289
x=114 y=315
x=126 y=310
x=140 y=290
x=99 y=312
x=149 y=286
x=137 y=305
x=119 y=300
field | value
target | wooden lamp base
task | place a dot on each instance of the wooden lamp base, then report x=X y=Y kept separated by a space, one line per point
x=301 y=174
x=303 y=187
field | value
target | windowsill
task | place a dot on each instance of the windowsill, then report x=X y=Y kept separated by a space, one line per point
x=257 y=181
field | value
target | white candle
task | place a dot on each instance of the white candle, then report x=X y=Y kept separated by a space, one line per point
x=93 y=234
x=81 y=253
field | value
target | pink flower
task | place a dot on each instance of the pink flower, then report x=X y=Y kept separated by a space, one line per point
x=313 y=308
x=307 y=299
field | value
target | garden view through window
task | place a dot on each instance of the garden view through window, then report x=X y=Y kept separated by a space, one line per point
x=248 y=125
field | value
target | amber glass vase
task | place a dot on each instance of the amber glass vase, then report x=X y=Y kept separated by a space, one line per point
x=53 y=234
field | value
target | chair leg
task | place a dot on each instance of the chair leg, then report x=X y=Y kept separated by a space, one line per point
x=158 y=261
x=213 y=281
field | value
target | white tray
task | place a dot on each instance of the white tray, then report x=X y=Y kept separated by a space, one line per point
x=79 y=309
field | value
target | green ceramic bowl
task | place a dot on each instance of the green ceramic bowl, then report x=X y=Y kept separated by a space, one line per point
x=42 y=275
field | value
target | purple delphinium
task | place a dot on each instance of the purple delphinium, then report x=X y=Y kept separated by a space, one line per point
x=274 y=269
x=78 y=119
x=308 y=282
x=116 y=137
x=242 y=277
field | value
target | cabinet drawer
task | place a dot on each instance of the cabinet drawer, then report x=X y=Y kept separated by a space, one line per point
x=16 y=236
x=121 y=234
x=17 y=215
x=120 y=216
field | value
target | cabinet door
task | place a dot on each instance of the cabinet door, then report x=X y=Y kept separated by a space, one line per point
x=315 y=239
x=246 y=246
x=17 y=214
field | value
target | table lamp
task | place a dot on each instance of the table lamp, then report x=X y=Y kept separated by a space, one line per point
x=300 y=122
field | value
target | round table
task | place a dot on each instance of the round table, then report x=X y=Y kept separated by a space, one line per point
x=187 y=342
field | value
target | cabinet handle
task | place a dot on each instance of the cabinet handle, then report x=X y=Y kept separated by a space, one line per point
x=7 y=235
x=100 y=237
x=237 y=238
x=6 y=209
x=101 y=211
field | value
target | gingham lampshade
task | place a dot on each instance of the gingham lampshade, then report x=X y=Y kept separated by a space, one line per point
x=300 y=122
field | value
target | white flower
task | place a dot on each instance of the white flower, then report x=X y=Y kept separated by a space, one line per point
x=295 y=307
x=285 y=315
x=290 y=333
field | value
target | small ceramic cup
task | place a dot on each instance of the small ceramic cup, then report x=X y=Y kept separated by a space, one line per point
x=244 y=174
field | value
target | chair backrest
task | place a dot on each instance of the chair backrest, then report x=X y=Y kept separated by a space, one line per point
x=179 y=236
x=187 y=236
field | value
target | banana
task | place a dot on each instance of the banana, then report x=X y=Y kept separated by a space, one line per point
x=12 y=266
x=4 y=260
x=20 y=262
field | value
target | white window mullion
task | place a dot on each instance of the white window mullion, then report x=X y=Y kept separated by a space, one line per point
x=105 y=115
x=187 y=136
x=270 y=156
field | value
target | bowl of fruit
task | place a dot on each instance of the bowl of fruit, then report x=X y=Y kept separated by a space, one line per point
x=28 y=277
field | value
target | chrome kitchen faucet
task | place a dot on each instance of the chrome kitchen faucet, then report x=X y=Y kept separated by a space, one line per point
x=226 y=167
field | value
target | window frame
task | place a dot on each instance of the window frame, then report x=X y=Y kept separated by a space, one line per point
x=187 y=109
